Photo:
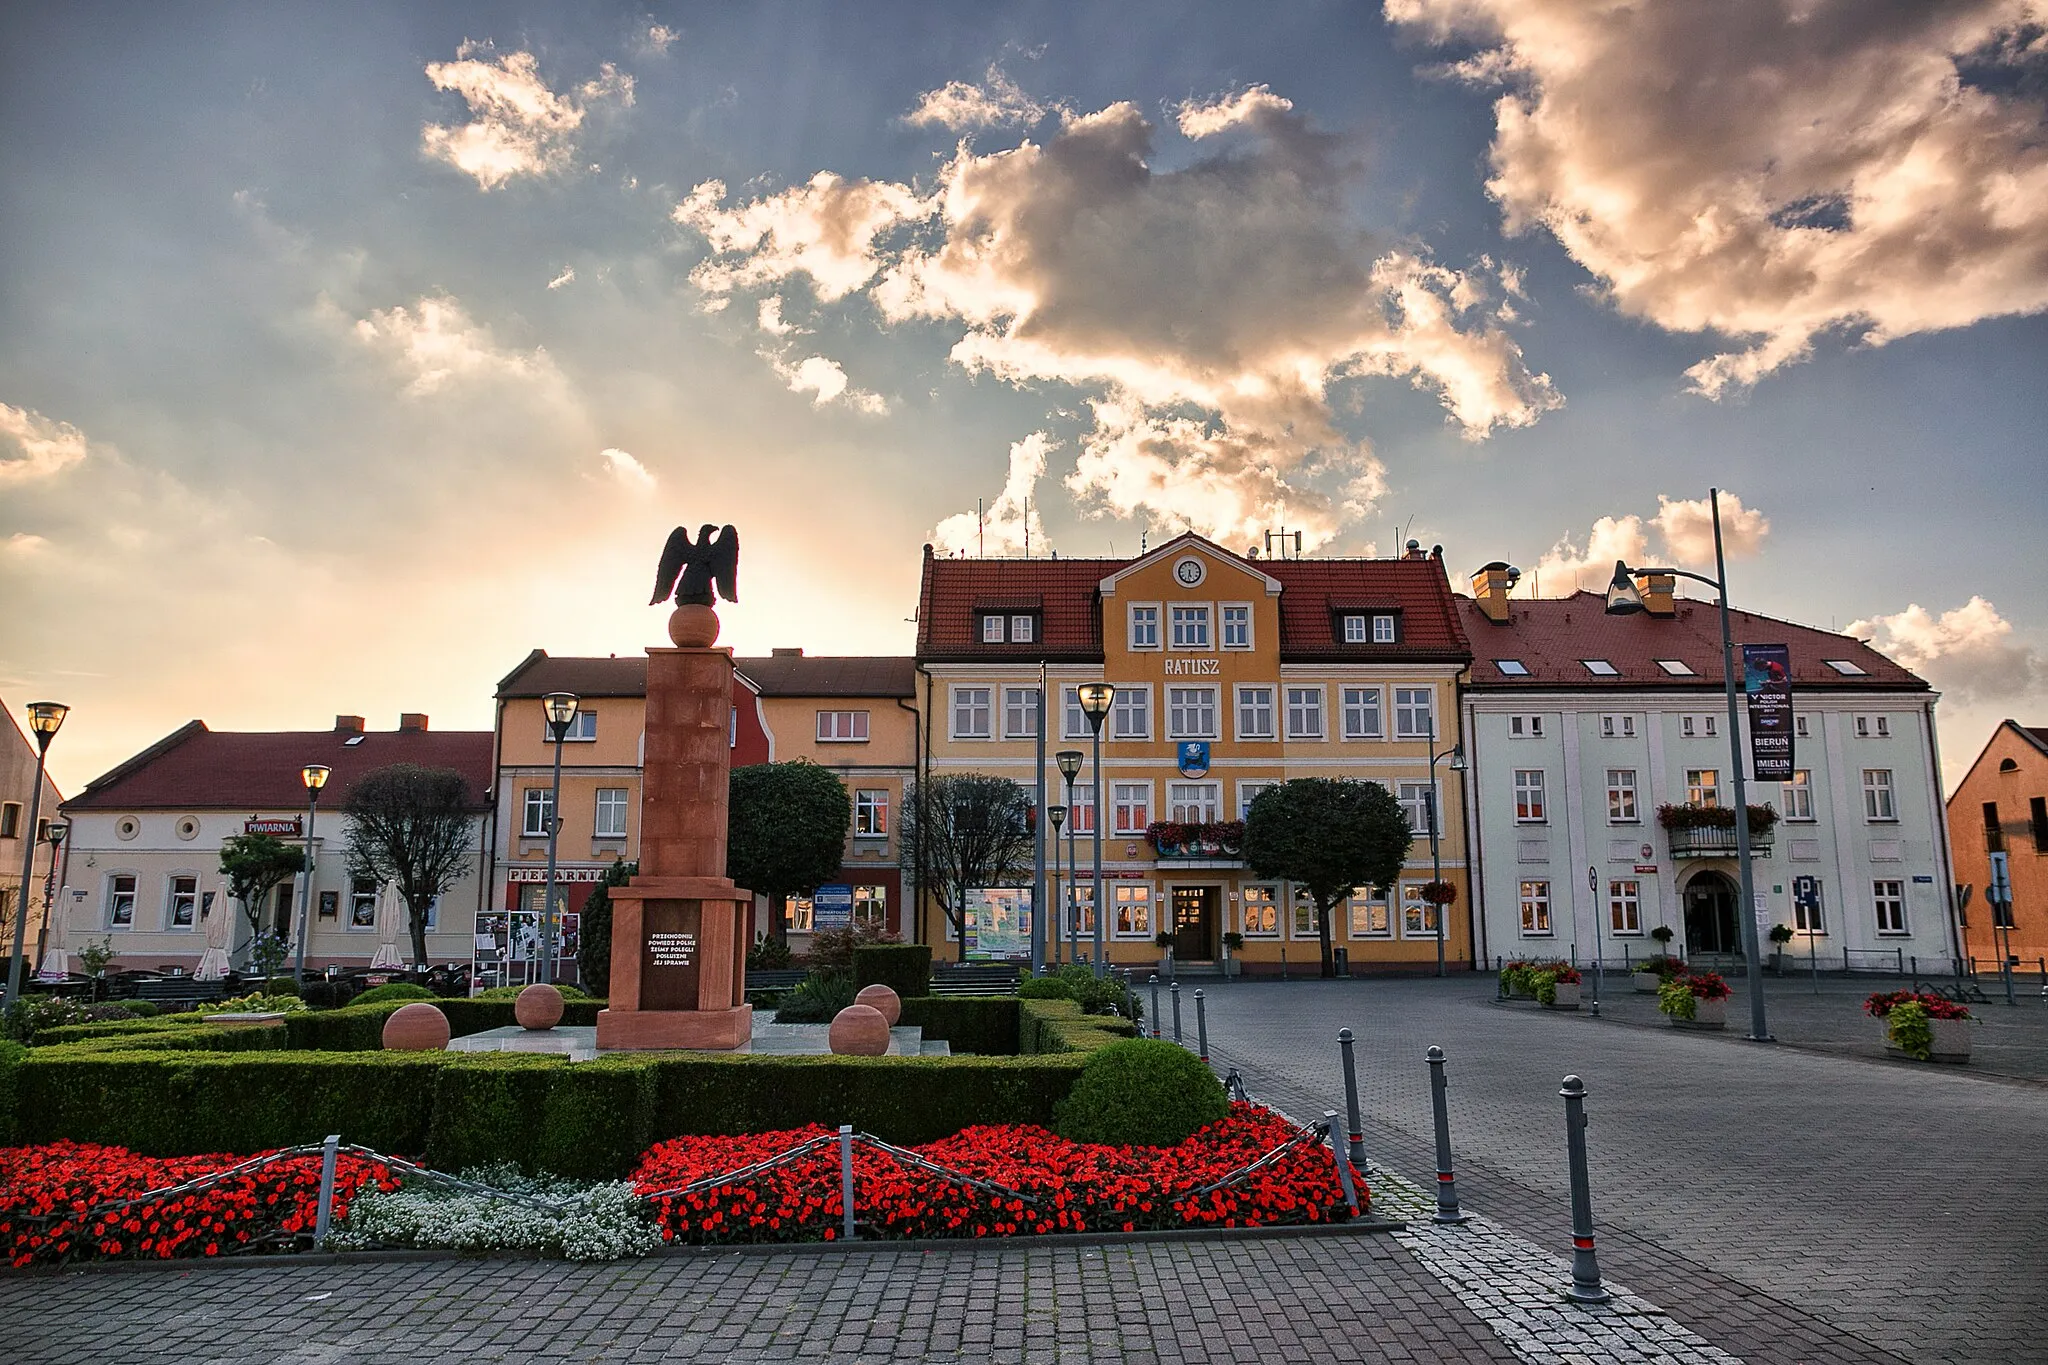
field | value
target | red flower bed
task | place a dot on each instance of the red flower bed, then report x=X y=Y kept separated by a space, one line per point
x=1074 y=1187
x=54 y=1198
x=1938 y=1006
x=1707 y=986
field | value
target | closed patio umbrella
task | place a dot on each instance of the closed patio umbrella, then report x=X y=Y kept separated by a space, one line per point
x=220 y=928
x=56 y=961
x=390 y=905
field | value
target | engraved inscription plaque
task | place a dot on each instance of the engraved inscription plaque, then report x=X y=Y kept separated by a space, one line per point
x=669 y=954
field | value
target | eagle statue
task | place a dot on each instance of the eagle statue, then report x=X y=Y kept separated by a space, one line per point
x=712 y=561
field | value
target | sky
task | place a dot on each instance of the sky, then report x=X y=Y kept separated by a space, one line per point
x=347 y=353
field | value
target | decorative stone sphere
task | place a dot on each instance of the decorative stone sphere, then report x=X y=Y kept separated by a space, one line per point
x=417 y=1027
x=693 y=626
x=883 y=999
x=859 y=1031
x=538 y=1007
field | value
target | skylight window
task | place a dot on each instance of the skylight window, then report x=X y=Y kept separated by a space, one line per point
x=1511 y=667
x=1845 y=668
x=1677 y=668
x=1600 y=668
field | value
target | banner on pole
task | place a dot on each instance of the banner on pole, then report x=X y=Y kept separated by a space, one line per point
x=1767 y=682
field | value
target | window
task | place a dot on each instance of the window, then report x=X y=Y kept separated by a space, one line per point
x=1529 y=806
x=2037 y=818
x=1144 y=627
x=1133 y=806
x=10 y=820
x=1369 y=914
x=1414 y=713
x=1797 y=795
x=1419 y=918
x=611 y=813
x=1022 y=630
x=871 y=905
x=1133 y=902
x=796 y=914
x=539 y=813
x=1799 y=727
x=842 y=727
x=1260 y=915
x=1536 y=909
x=1416 y=805
x=991 y=630
x=1702 y=786
x=1362 y=713
x=1511 y=668
x=1621 y=796
x=1191 y=713
x=1694 y=726
x=1877 y=795
x=1020 y=713
x=970 y=713
x=1190 y=627
x=1237 y=627
x=1994 y=833
x=1625 y=906
x=1304 y=713
x=1888 y=899
x=1677 y=668
x=1600 y=668
x=1844 y=667
x=1383 y=630
x=1248 y=792
x=1873 y=727
x=1195 y=803
x=184 y=907
x=121 y=901
x=1525 y=727
x=1255 y=713
x=1073 y=720
x=1355 y=630
x=1081 y=813
x=1617 y=727
x=1131 y=715
x=1083 y=915
x=871 y=813
x=582 y=727
x=1307 y=923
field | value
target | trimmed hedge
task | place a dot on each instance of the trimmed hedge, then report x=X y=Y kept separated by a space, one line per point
x=905 y=968
x=1056 y=1026
x=985 y=1026
x=11 y=1056
x=113 y=1028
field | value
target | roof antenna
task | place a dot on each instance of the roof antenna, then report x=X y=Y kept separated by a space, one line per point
x=979 y=548
x=1027 y=528
x=1141 y=544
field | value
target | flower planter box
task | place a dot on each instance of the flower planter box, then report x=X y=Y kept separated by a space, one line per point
x=1518 y=991
x=1705 y=1014
x=1567 y=996
x=1951 y=1040
x=1645 y=983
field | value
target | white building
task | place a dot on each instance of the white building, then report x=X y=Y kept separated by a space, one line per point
x=1584 y=730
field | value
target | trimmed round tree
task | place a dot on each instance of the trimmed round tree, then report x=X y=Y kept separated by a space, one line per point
x=594 y=941
x=786 y=834
x=1328 y=836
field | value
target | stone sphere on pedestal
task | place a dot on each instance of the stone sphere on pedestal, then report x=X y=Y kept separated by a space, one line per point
x=883 y=999
x=859 y=1031
x=693 y=626
x=538 y=1007
x=417 y=1027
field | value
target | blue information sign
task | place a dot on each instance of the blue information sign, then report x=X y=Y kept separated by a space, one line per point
x=832 y=907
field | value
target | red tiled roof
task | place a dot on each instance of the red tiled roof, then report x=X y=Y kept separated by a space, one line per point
x=1315 y=591
x=1553 y=636
x=800 y=675
x=1063 y=591
x=197 y=768
x=538 y=675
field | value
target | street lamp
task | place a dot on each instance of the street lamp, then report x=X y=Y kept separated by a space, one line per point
x=55 y=834
x=1456 y=753
x=44 y=718
x=314 y=775
x=1070 y=768
x=1058 y=816
x=1096 y=699
x=1625 y=599
x=561 y=711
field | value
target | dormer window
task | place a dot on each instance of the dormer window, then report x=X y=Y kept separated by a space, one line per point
x=1014 y=628
x=1368 y=627
x=992 y=630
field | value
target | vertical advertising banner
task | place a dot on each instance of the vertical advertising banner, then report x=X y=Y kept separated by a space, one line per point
x=1767 y=681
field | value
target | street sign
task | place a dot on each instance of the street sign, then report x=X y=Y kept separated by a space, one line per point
x=2000 y=890
x=1806 y=892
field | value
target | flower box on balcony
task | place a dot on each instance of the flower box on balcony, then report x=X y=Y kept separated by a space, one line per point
x=1207 y=839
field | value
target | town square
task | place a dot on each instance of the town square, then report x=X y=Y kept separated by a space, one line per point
x=1025 y=683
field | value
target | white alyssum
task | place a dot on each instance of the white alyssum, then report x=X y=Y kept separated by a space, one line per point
x=603 y=1220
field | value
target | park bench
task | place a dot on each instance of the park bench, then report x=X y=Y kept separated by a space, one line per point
x=178 y=990
x=774 y=979
x=975 y=980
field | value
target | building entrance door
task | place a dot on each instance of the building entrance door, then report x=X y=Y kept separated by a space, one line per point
x=1710 y=915
x=1194 y=922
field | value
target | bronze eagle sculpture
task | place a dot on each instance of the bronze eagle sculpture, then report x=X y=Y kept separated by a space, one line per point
x=713 y=561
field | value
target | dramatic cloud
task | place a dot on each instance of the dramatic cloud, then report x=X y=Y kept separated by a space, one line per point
x=437 y=344
x=1968 y=652
x=769 y=318
x=960 y=105
x=1770 y=170
x=519 y=126
x=825 y=380
x=1685 y=525
x=628 y=471
x=1206 y=312
x=1567 y=568
x=1011 y=524
x=33 y=447
x=1688 y=528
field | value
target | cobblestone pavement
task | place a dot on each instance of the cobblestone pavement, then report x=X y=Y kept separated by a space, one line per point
x=1787 y=1204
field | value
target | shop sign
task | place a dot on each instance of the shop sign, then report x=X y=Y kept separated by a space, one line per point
x=539 y=875
x=287 y=827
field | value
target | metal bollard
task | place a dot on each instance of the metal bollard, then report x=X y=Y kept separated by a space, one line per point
x=1447 y=1210
x=1343 y=1165
x=846 y=1179
x=1201 y=1027
x=329 y=1150
x=1155 y=1004
x=1500 y=984
x=1173 y=989
x=1356 y=1131
x=1586 y=1287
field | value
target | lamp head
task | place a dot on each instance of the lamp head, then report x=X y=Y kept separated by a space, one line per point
x=1458 y=763
x=1070 y=763
x=1096 y=699
x=1058 y=816
x=43 y=719
x=561 y=709
x=314 y=775
x=58 y=829
x=1624 y=598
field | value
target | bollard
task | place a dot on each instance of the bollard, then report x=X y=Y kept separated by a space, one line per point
x=846 y=1180
x=1586 y=1286
x=329 y=1150
x=1343 y=1165
x=1155 y=1004
x=1357 y=1128
x=1201 y=1027
x=1500 y=983
x=1173 y=989
x=1283 y=962
x=1446 y=1181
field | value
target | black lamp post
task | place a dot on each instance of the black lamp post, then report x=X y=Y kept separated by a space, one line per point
x=561 y=711
x=1070 y=768
x=44 y=718
x=1096 y=699
x=314 y=775
x=58 y=829
x=1625 y=599
x=1456 y=753
x=1058 y=816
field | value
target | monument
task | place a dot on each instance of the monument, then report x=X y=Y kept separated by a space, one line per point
x=680 y=929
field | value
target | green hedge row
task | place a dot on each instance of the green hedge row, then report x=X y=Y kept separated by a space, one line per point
x=1057 y=1026
x=986 y=1026
x=905 y=968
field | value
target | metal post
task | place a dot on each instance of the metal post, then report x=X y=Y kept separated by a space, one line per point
x=1759 y=1026
x=1343 y=1164
x=1155 y=1004
x=547 y=909
x=1356 y=1131
x=1586 y=1287
x=1073 y=880
x=1039 y=904
x=846 y=1180
x=28 y=871
x=305 y=901
x=1173 y=989
x=329 y=1150
x=1447 y=1210
x=1593 y=886
x=1201 y=1027
x=1095 y=815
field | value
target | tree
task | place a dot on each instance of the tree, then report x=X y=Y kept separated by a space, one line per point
x=255 y=865
x=965 y=831
x=1328 y=836
x=786 y=832
x=594 y=948
x=414 y=826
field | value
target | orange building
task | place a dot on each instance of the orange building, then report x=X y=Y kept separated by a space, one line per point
x=2001 y=806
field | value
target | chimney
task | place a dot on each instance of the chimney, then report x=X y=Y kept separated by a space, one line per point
x=1490 y=588
x=787 y=652
x=1413 y=550
x=412 y=720
x=1659 y=592
x=348 y=725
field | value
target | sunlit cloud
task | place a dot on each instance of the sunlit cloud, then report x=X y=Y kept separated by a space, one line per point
x=436 y=344
x=518 y=125
x=961 y=105
x=567 y=277
x=626 y=470
x=825 y=229
x=1010 y=525
x=825 y=380
x=1565 y=567
x=658 y=39
x=1968 y=651
x=1687 y=525
x=769 y=318
x=35 y=447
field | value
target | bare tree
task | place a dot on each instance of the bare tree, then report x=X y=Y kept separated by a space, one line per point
x=964 y=831
x=413 y=826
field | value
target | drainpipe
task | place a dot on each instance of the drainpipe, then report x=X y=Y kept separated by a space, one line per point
x=913 y=898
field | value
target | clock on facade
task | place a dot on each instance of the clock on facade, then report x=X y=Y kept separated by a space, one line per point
x=1189 y=573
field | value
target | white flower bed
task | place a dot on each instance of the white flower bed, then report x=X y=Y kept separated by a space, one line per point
x=608 y=1221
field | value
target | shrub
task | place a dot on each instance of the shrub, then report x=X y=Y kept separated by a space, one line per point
x=140 y=1009
x=11 y=1056
x=1095 y=994
x=1053 y=1026
x=769 y=955
x=1662 y=964
x=608 y=1221
x=355 y=1028
x=512 y=993
x=253 y=1004
x=32 y=1014
x=323 y=994
x=1140 y=1092
x=832 y=949
x=983 y=1025
x=1678 y=996
x=399 y=991
x=594 y=946
x=905 y=968
x=1044 y=988
x=1781 y=934
x=1937 y=1006
x=816 y=999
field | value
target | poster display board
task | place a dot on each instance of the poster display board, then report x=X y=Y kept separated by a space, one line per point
x=1767 y=683
x=832 y=907
x=508 y=945
x=998 y=925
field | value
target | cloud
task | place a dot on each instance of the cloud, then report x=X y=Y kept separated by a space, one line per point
x=1687 y=526
x=24 y=544
x=34 y=447
x=519 y=126
x=626 y=470
x=1771 y=170
x=1206 y=312
x=1968 y=652
x=437 y=344
x=826 y=381
x=959 y=105
x=769 y=317
x=658 y=39
x=1011 y=524
x=1567 y=567
x=568 y=276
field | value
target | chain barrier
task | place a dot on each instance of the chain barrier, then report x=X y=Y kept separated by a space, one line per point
x=1309 y=1132
x=916 y=1162
x=746 y=1173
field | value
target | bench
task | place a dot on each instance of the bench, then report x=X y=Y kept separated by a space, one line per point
x=977 y=980
x=774 y=979
x=172 y=990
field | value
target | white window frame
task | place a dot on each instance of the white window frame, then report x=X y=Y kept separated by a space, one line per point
x=1302 y=923
x=1358 y=707
x=360 y=899
x=1205 y=797
x=171 y=898
x=1023 y=629
x=1268 y=898
x=537 y=806
x=960 y=701
x=1305 y=705
x=1880 y=797
x=1020 y=713
x=871 y=905
x=1360 y=907
x=1618 y=726
x=871 y=813
x=1133 y=802
x=1419 y=802
x=842 y=727
x=1419 y=918
x=1535 y=909
x=582 y=728
x=1799 y=729
x=1250 y=711
x=1406 y=710
x=1812 y=922
x=1144 y=625
x=1525 y=727
x=617 y=801
x=1623 y=805
x=1073 y=720
x=1248 y=790
x=119 y=899
x=1198 y=618
x=993 y=629
x=1357 y=630
x=1140 y=703
x=1081 y=809
x=1625 y=907
x=1385 y=628
x=1798 y=797
x=1126 y=894
x=1703 y=788
x=1889 y=893
x=1177 y=711
x=1224 y=613
x=1532 y=797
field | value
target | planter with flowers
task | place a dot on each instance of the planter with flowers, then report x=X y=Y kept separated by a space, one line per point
x=1653 y=971
x=1519 y=979
x=1557 y=988
x=1927 y=1028
x=1201 y=839
x=1695 y=1001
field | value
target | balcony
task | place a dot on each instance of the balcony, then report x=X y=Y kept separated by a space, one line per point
x=1709 y=831
x=1209 y=844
